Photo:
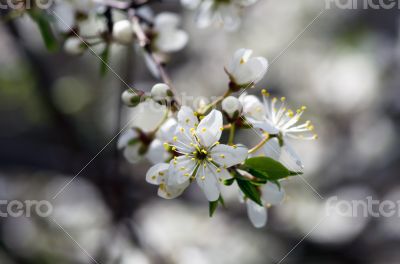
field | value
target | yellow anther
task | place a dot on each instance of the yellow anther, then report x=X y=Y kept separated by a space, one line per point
x=182 y=168
x=203 y=178
x=203 y=129
x=175 y=138
x=193 y=159
x=173 y=148
x=182 y=129
x=192 y=130
x=234 y=146
x=221 y=128
x=283 y=99
x=265 y=93
x=303 y=108
x=310 y=127
x=242 y=61
x=194 y=152
x=315 y=136
x=161 y=173
x=153 y=177
x=186 y=174
x=204 y=151
x=175 y=162
x=210 y=159
x=222 y=156
x=218 y=170
x=274 y=99
x=187 y=120
x=201 y=117
x=217 y=143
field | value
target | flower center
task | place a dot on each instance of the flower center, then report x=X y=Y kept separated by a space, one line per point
x=201 y=154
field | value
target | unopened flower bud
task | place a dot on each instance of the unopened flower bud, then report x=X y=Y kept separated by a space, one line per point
x=131 y=98
x=232 y=106
x=74 y=46
x=122 y=31
x=160 y=91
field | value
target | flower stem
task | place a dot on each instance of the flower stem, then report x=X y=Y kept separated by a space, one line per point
x=259 y=145
x=232 y=134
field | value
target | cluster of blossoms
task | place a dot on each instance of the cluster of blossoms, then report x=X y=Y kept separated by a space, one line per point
x=186 y=147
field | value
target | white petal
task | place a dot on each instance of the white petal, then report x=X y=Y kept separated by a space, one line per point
x=186 y=117
x=252 y=71
x=264 y=125
x=230 y=16
x=173 y=191
x=131 y=153
x=166 y=20
x=171 y=40
x=157 y=174
x=190 y=4
x=167 y=130
x=272 y=149
x=271 y=194
x=257 y=214
x=286 y=148
x=228 y=156
x=127 y=136
x=209 y=130
x=241 y=56
x=157 y=153
x=247 y=2
x=206 y=14
x=207 y=180
x=180 y=170
x=252 y=107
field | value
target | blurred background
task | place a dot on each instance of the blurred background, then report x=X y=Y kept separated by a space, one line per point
x=57 y=113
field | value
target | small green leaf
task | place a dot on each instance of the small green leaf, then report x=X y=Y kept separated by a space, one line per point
x=266 y=168
x=45 y=30
x=249 y=190
x=105 y=55
x=214 y=205
x=229 y=182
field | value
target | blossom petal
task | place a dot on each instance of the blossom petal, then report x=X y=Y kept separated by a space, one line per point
x=272 y=149
x=252 y=107
x=172 y=191
x=228 y=156
x=167 y=130
x=230 y=16
x=190 y=4
x=272 y=194
x=206 y=14
x=265 y=125
x=207 y=180
x=171 y=40
x=256 y=213
x=131 y=153
x=157 y=153
x=286 y=148
x=157 y=174
x=166 y=20
x=209 y=130
x=127 y=136
x=180 y=170
x=186 y=117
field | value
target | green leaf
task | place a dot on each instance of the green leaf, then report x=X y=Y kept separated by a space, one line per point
x=105 y=55
x=214 y=205
x=249 y=190
x=229 y=182
x=267 y=168
x=44 y=26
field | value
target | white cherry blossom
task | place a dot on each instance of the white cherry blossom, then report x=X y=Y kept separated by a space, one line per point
x=271 y=194
x=221 y=12
x=168 y=37
x=231 y=106
x=200 y=156
x=245 y=70
x=157 y=175
x=274 y=118
x=123 y=32
x=130 y=143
